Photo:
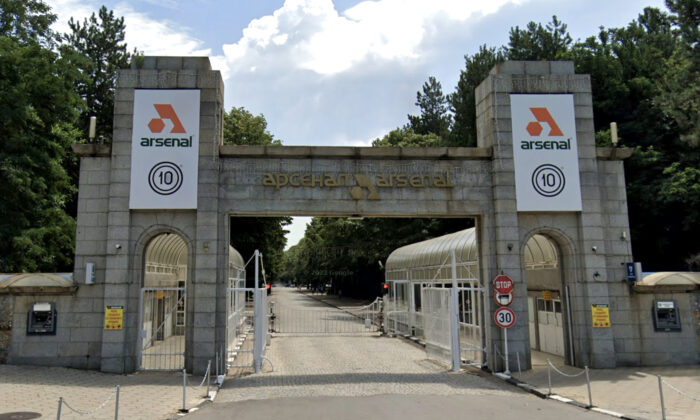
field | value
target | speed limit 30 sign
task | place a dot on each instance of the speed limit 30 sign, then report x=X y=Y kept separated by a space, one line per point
x=504 y=317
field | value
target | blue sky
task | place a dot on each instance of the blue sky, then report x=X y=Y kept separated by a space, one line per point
x=340 y=72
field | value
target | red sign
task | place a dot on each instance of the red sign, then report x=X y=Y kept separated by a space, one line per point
x=503 y=299
x=504 y=317
x=503 y=284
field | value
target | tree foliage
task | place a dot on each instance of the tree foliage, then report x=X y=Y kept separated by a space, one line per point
x=434 y=118
x=38 y=111
x=100 y=41
x=242 y=127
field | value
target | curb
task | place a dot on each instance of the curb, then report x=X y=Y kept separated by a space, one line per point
x=532 y=390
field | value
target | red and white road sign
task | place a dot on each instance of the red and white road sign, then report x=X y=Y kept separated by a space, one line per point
x=504 y=317
x=503 y=284
x=503 y=299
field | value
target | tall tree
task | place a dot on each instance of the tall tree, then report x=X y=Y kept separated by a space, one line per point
x=462 y=102
x=100 y=39
x=434 y=117
x=38 y=111
x=242 y=127
x=538 y=42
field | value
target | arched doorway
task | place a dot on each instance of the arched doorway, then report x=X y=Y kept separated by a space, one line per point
x=162 y=316
x=546 y=296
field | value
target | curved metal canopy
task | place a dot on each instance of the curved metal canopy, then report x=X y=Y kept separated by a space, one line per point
x=540 y=252
x=168 y=249
x=434 y=252
x=234 y=258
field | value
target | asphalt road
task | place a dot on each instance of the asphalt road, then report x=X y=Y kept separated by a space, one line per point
x=397 y=407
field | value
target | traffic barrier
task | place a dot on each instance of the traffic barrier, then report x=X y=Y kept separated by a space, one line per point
x=62 y=402
x=551 y=367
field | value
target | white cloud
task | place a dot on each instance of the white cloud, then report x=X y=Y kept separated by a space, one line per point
x=313 y=35
x=151 y=36
x=327 y=77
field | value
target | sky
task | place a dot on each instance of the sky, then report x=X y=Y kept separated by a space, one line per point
x=337 y=72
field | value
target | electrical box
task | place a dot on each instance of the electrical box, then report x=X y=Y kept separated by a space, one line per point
x=41 y=319
x=666 y=316
x=89 y=273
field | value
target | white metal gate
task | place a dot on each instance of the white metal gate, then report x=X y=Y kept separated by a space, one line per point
x=442 y=309
x=294 y=320
x=398 y=317
x=247 y=326
x=162 y=326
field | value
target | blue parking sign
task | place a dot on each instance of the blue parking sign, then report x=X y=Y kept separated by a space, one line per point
x=631 y=274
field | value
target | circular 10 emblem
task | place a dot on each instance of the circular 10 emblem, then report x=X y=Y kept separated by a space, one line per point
x=165 y=178
x=548 y=180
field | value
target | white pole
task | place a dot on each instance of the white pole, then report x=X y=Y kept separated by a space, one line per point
x=505 y=344
x=256 y=268
x=454 y=317
x=116 y=405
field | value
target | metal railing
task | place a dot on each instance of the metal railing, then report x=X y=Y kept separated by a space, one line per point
x=295 y=320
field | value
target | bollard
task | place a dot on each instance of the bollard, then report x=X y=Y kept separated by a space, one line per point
x=588 y=383
x=520 y=372
x=60 y=404
x=208 y=376
x=549 y=377
x=661 y=394
x=184 y=390
x=116 y=405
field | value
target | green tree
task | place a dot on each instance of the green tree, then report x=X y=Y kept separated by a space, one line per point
x=100 y=40
x=462 y=102
x=539 y=43
x=434 y=117
x=38 y=112
x=406 y=137
x=242 y=127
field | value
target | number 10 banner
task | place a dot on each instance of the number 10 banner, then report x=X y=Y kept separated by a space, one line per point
x=164 y=149
x=545 y=153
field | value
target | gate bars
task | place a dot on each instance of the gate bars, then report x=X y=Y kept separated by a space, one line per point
x=290 y=320
x=162 y=328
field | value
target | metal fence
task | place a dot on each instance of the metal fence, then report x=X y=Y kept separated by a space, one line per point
x=294 y=320
x=162 y=321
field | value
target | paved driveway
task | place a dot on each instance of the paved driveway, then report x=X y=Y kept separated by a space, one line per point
x=340 y=377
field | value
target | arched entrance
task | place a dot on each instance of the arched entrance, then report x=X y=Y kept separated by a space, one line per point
x=548 y=313
x=162 y=316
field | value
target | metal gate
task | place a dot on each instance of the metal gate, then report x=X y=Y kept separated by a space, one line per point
x=247 y=326
x=291 y=320
x=162 y=326
x=452 y=319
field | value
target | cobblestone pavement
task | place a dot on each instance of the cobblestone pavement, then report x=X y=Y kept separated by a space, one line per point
x=630 y=391
x=144 y=395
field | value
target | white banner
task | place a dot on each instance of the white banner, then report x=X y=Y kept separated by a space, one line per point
x=545 y=153
x=165 y=149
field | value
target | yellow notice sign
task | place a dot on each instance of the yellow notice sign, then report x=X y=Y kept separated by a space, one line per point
x=114 y=317
x=547 y=294
x=601 y=315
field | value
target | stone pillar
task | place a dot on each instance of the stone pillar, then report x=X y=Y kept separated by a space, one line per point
x=130 y=229
x=577 y=233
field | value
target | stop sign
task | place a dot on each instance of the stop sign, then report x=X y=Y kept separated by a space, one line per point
x=503 y=284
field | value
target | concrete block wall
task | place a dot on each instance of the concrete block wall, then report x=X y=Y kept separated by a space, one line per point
x=667 y=348
x=77 y=342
